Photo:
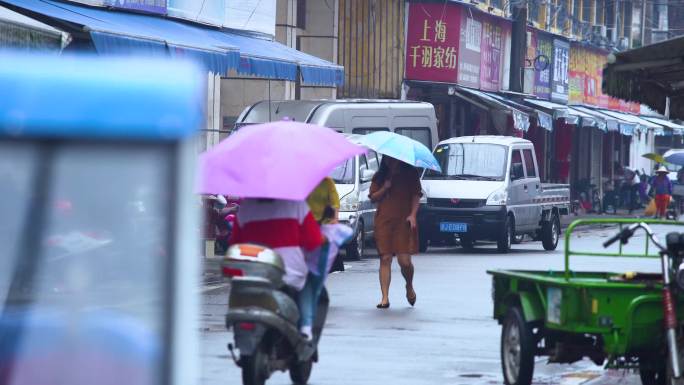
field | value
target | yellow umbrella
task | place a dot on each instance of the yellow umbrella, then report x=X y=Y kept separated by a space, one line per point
x=654 y=157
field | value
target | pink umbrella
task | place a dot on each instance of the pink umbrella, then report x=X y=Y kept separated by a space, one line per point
x=279 y=160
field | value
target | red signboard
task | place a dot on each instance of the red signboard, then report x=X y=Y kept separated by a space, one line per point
x=432 y=42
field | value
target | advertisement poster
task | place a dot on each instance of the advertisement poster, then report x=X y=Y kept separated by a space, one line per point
x=559 y=79
x=542 y=78
x=493 y=36
x=150 y=6
x=591 y=81
x=432 y=43
x=469 y=52
x=576 y=74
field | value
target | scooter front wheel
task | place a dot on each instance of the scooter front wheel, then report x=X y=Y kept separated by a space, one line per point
x=255 y=366
x=300 y=371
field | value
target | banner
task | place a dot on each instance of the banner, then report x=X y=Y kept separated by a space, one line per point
x=576 y=74
x=542 y=79
x=432 y=42
x=470 y=51
x=492 y=54
x=559 y=80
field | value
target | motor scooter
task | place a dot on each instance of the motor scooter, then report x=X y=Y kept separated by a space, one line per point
x=263 y=314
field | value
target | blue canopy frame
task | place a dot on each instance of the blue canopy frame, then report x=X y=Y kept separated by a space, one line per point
x=217 y=50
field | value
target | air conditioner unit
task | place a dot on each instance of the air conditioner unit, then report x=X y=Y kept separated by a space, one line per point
x=599 y=30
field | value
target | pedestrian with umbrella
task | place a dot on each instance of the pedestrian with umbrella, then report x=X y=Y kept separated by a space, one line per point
x=280 y=164
x=396 y=190
x=662 y=186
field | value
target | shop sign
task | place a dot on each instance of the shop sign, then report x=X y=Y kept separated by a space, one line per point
x=592 y=79
x=576 y=74
x=432 y=42
x=469 y=53
x=542 y=78
x=493 y=37
x=150 y=6
x=559 y=79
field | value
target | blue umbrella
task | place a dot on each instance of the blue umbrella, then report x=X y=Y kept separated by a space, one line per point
x=674 y=157
x=402 y=148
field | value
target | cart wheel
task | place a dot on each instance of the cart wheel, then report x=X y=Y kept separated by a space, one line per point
x=517 y=349
x=551 y=233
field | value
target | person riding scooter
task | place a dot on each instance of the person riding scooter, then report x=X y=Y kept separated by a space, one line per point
x=289 y=228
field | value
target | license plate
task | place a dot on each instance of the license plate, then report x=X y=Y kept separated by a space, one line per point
x=453 y=227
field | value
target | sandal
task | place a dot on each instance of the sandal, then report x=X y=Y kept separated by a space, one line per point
x=411 y=299
x=383 y=305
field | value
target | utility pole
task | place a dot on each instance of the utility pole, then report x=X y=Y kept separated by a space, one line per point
x=518 y=45
x=616 y=26
x=643 y=23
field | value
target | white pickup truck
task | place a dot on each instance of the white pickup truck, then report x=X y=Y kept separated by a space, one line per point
x=490 y=190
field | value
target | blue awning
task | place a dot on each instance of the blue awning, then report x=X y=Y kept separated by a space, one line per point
x=267 y=58
x=128 y=33
x=125 y=33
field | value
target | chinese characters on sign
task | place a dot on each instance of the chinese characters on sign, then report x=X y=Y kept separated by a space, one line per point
x=469 y=54
x=492 y=49
x=432 y=42
x=561 y=62
x=542 y=78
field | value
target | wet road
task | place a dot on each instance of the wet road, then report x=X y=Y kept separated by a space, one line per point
x=448 y=338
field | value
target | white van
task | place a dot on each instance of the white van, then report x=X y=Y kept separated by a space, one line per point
x=353 y=117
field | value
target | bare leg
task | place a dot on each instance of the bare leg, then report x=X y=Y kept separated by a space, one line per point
x=407 y=272
x=385 y=276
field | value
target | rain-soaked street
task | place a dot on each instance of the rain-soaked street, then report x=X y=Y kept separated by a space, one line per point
x=449 y=337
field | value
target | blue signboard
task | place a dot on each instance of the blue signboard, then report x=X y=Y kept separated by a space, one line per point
x=150 y=6
x=560 y=83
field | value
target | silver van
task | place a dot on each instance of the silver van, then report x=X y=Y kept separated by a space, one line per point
x=353 y=117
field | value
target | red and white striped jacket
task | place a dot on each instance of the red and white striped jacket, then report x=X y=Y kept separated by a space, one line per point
x=287 y=227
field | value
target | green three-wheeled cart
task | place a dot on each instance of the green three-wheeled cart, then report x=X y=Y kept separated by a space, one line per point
x=614 y=319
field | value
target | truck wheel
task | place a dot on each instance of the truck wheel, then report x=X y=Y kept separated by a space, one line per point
x=517 y=349
x=466 y=242
x=355 y=247
x=503 y=244
x=301 y=371
x=551 y=233
x=423 y=242
x=255 y=366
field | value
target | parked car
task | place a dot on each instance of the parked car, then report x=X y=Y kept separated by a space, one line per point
x=353 y=118
x=352 y=180
x=490 y=190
